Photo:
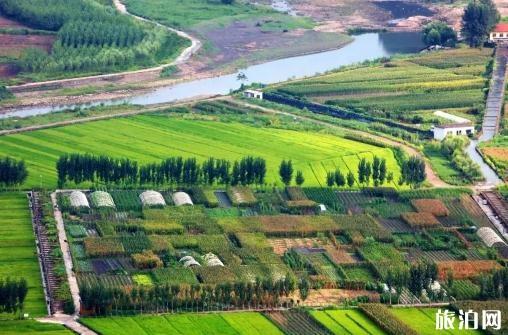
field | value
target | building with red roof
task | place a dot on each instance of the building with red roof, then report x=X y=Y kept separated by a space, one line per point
x=500 y=33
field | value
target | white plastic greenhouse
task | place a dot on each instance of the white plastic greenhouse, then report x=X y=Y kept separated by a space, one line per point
x=489 y=236
x=152 y=198
x=182 y=198
x=101 y=199
x=212 y=260
x=78 y=199
x=189 y=261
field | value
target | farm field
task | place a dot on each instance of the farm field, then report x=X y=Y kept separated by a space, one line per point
x=18 y=257
x=248 y=323
x=30 y=327
x=423 y=320
x=496 y=153
x=347 y=322
x=312 y=153
x=129 y=242
x=405 y=89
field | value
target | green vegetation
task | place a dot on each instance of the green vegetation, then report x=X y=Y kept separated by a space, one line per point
x=347 y=321
x=311 y=152
x=439 y=33
x=478 y=20
x=30 y=327
x=91 y=38
x=190 y=13
x=423 y=321
x=18 y=258
x=188 y=324
x=451 y=162
x=406 y=89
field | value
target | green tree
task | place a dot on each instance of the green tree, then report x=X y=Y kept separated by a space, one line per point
x=439 y=33
x=299 y=179
x=478 y=20
x=340 y=180
x=330 y=179
x=350 y=179
x=286 y=171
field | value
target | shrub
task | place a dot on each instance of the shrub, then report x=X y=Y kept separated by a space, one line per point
x=146 y=260
x=433 y=206
x=420 y=220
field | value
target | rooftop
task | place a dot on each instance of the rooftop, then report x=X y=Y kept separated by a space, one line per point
x=501 y=28
x=454 y=125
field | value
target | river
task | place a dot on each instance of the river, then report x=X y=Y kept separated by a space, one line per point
x=364 y=47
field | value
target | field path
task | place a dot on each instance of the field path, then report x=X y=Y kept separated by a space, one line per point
x=182 y=58
x=432 y=177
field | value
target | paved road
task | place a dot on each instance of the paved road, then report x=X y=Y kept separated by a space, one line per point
x=64 y=245
x=495 y=99
x=68 y=321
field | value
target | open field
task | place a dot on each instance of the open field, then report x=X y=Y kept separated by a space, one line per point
x=18 y=257
x=405 y=89
x=313 y=153
x=347 y=322
x=29 y=327
x=423 y=320
x=185 y=324
x=496 y=152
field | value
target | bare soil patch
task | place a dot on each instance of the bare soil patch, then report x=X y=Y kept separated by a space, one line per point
x=8 y=70
x=324 y=297
x=7 y=23
x=496 y=152
x=13 y=45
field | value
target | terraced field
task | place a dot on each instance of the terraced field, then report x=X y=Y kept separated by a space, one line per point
x=188 y=324
x=150 y=138
x=18 y=257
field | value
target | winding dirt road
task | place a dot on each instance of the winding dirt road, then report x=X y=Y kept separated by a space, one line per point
x=184 y=56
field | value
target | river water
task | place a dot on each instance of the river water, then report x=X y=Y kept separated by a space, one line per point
x=364 y=47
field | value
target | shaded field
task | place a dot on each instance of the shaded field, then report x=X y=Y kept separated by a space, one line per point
x=18 y=257
x=185 y=324
x=150 y=138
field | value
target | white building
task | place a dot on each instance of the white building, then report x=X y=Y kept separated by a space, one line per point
x=499 y=34
x=452 y=129
x=256 y=94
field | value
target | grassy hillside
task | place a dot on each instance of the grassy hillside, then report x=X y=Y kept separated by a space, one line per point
x=18 y=257
x=150 y=138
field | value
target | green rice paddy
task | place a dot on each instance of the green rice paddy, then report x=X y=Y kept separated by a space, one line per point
x=342 y=322
x=151 y=138
x=185 y=324
x=29 y=327
x=18 y=257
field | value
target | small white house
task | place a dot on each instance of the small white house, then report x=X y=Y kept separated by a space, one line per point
x=253 y=94
x=499 y=34
x=452 y=129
